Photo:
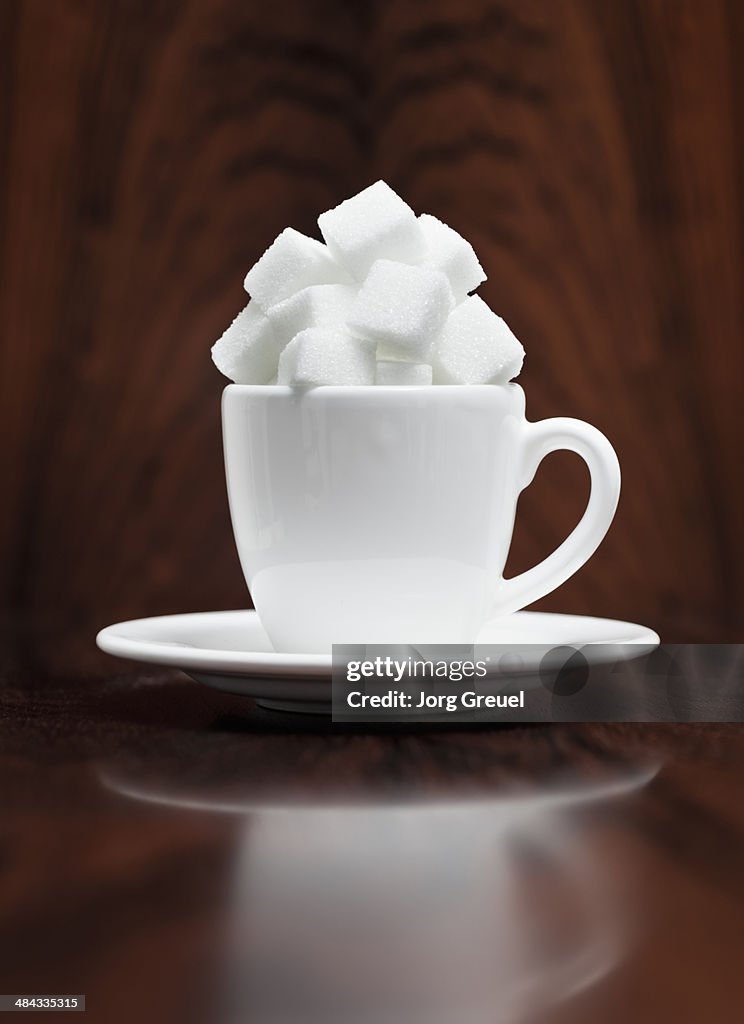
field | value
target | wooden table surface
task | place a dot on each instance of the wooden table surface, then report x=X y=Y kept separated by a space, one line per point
x=176 y=854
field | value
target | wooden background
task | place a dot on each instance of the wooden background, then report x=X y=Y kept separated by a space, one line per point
x=151 y=149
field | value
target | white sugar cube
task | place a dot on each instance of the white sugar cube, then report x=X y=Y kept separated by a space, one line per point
x=319 y=356
x=449 y=252
x=401 y=308
x=374 y=224
x=320 y=305
x=400 y=373
x=292 y=262
x=476 y=347
x=248 y=351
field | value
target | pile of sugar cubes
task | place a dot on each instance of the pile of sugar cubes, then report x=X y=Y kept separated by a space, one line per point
x=386 y=300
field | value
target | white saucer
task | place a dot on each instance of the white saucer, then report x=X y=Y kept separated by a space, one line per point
x=230 y=651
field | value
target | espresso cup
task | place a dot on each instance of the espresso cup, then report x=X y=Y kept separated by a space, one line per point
x=385 y=514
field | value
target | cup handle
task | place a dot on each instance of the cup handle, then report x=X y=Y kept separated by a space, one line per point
x=542 y=438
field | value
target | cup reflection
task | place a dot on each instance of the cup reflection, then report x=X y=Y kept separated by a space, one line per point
x=475 y=910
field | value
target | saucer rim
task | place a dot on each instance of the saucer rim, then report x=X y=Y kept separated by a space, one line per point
x=117 y=640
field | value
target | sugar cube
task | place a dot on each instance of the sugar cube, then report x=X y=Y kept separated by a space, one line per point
x=374 y=224
x=401 y=373
x=449 y=252
x=248 y=351
x=401 y=308
x=476 y=347
x=322 y=356
x=292 y=262
x=319 y=305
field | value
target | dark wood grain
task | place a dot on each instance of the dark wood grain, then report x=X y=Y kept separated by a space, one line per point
x=149 y=151
x=160 y=840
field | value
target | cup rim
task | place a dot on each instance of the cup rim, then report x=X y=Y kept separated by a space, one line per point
x=512 y=387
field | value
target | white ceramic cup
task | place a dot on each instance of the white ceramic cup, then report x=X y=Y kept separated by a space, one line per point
x=385 y=514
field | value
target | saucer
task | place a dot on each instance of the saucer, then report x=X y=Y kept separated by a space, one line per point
x=230 y=651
